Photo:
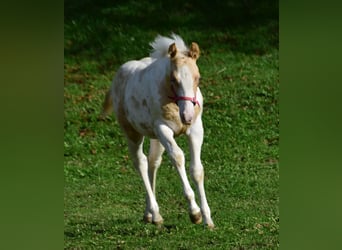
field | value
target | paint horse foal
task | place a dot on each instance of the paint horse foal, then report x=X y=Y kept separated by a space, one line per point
x=159 y=97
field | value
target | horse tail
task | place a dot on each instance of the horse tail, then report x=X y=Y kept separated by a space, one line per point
x=107 y=106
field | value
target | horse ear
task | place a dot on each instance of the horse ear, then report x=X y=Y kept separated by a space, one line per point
x=194 y=52
x=172 y=50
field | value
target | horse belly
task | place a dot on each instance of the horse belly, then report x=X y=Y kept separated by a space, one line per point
x=140 y=118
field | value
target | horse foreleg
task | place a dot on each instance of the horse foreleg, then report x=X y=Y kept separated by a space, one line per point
x=140 y=163
x=177 y=157
x=195 y=139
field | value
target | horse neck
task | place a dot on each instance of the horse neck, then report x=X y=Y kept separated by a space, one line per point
x=162 y=64
x=160 y=69
x=155 y=76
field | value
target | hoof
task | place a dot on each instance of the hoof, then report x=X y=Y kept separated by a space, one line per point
x=210 y=226
x=157 y=219
x=158 y=223
x=147 y=219
x=196 y=218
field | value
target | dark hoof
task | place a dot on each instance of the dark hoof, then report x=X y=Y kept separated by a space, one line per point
x=147 y=219
x=196 y=218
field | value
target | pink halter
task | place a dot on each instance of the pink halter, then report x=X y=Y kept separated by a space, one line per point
x=177 y=98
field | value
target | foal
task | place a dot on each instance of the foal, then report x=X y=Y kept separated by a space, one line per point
x=159 y=97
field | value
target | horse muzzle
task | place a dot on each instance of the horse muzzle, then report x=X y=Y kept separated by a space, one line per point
x=187 y=115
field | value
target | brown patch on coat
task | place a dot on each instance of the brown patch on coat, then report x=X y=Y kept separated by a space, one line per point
x=172 y=50
x=171 y=113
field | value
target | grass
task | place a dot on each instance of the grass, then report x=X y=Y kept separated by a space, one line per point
x=104 y=197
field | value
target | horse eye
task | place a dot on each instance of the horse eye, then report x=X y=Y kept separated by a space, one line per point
x=173 y=80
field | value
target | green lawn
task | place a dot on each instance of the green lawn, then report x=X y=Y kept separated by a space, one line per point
x=104 y=197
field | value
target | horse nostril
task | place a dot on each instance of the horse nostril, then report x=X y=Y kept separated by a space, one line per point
x=186 y=122
x=186 y=119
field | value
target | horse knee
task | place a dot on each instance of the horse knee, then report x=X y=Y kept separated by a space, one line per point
x=178 y=158
x=197 y=174
x=140 y=162
x=154 y=162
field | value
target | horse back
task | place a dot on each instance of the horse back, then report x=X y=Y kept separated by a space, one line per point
x=131 y=98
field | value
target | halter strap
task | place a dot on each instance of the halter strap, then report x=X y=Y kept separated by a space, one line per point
x=177 y=98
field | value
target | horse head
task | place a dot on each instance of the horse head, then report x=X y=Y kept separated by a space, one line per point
x=184 y=80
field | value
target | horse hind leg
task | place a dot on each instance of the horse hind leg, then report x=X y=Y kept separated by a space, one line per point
x=154 y=161
x=141 y=164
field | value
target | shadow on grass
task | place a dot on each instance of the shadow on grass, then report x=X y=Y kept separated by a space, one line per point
x=117 y=227
x=170 y=13
x=122 y=29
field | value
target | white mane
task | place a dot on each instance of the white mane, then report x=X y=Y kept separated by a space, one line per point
x=161 y=44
